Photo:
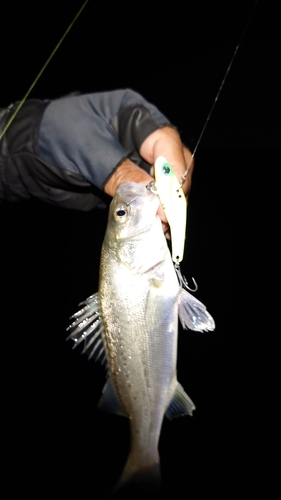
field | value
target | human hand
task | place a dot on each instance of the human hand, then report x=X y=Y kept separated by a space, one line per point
x=167 y=142
x=163 y=142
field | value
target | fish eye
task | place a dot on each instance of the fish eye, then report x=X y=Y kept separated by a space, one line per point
x=121 y=213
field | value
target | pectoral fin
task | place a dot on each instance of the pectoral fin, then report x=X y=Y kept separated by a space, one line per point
x=193 y=314
x=180 y=405
x=87 y=327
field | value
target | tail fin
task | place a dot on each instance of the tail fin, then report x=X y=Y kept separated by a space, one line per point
x=143 y=480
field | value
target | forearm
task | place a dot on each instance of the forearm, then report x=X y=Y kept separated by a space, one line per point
x=92 y=134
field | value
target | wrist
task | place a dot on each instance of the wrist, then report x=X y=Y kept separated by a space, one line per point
x=154 y=142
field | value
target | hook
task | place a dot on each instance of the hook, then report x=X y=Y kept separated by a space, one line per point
x=183 y=281
x=187 y=286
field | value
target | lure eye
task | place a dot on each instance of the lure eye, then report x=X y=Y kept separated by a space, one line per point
x=121 y=213
x=166 y=169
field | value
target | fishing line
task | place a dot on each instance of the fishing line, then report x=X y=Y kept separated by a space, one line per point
x=218 y=93
x=41 y=71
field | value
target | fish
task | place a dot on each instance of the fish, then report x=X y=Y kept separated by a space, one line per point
x=131 y=325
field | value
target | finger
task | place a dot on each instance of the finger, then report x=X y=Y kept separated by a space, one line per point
x=189 y=161
x=166 y=230
x=126 y=172
x=167 y=142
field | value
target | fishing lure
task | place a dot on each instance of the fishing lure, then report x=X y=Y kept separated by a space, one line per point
x=174 y=204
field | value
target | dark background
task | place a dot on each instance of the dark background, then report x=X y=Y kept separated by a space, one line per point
x=176 y=55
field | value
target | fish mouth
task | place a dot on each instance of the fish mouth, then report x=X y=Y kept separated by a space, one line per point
x=130 y=191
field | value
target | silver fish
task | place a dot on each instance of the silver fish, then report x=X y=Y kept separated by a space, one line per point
x=132 y=325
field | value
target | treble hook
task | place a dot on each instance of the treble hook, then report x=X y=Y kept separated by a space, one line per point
x=188 y=287
x=183 y=281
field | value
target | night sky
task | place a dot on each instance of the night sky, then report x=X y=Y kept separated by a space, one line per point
x=57 y=442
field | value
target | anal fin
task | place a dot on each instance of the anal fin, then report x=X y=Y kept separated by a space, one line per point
x=180 y=404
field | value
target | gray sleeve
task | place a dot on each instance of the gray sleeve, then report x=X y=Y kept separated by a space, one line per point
x=91 y=134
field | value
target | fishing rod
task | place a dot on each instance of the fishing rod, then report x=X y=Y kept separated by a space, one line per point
x=41 y=71
x=219 y=92
x=208 y=116
x=169 y=188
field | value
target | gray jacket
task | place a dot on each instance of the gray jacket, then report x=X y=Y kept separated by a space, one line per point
x=64 y=151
